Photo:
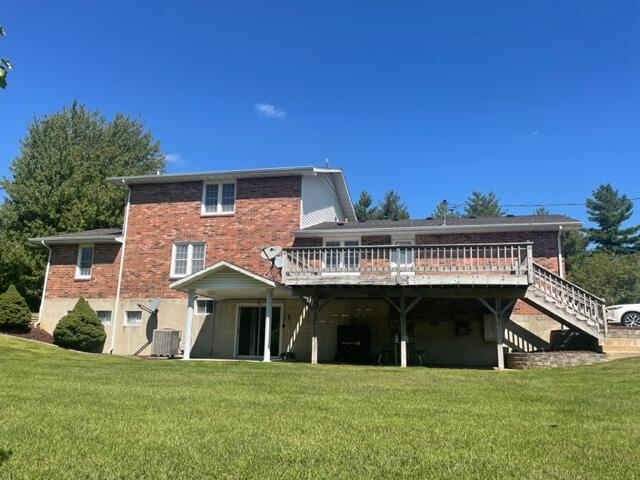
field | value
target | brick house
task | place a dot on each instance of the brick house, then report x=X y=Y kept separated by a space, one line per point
x=455 y=291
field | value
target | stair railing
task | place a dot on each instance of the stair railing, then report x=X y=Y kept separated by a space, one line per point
x=582 y=304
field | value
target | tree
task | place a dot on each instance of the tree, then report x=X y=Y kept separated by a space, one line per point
x=445 y=210
x=609 y=210
x=363 y=208
x=58 y=184
x=14 y=312
x=574 y=247
x=616 y=278
x=483 y=205
x=5 y=65
x=80 y=329
x=391 y=207
x=541 y=211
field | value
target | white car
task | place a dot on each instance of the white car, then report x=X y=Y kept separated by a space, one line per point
x=628 y=315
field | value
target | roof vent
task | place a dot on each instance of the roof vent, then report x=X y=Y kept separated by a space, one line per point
x=429 y=218
x=339 y=223
x=509 y=215
x=471 y=216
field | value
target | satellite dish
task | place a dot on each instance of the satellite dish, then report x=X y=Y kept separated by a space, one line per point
x=269 y=253
x=278 y=262
x=154 y=304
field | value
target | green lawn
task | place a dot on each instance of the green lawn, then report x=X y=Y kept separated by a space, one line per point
x=71 y=415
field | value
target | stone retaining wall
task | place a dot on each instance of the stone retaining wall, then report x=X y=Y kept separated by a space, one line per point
x=526 y=360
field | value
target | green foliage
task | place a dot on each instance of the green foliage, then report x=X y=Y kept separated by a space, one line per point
x=574 y=247
x=444 y=210
x=14 y=312
x=58 y=184
x=541 y=211
x=80 y=329
x=483 y=205
x=609 y=210
x=616 y=278
x=363 y=208
x=5 y=65
x=391 y=207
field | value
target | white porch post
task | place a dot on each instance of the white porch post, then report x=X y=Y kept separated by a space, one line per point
x=499 y=333
x=314 y=332
x=188 y=325
x=403 y=331
x=267 y=326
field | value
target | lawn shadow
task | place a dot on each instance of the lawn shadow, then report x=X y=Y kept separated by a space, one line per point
x=4 y=455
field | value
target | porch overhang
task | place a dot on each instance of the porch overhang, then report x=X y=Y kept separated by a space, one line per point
x=225 y=280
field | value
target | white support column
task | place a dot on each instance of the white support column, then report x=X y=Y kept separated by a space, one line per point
x=499 y=333
x=315 y=308
x=560 y=259
x=403 y=331
x=188 y=325
x=267 y=326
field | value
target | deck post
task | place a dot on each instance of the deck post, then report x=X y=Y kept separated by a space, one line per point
x=188 y=325
x=403 y=330
x=267 y=326
x=315 y=307
x=499 y=333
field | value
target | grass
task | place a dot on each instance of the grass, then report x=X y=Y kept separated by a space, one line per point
x=71 y=415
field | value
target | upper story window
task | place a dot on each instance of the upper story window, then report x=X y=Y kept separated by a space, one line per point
x=187 y=258
x=85 y=262
x=218 y=198
x=342 y=257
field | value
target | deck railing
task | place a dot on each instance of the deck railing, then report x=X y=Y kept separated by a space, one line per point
x=505 y=258
x=584 y=305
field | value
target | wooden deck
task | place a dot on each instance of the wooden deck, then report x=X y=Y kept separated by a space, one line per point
x=503 y=264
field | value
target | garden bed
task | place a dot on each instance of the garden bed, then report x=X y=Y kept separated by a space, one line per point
x=35 y=333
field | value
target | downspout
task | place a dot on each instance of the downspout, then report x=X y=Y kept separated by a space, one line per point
x=560 y=259
x=116 y=313
x=44 y=288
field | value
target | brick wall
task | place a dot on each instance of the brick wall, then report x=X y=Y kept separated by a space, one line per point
x=307 y=242
x=267 y=212
x=376 y=240
x=104 y=273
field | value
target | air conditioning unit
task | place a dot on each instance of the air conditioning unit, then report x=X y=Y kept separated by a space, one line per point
x=165 y=342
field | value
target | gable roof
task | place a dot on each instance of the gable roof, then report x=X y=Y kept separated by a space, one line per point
x=507 y=222
x=336 y=175
x=100 y=235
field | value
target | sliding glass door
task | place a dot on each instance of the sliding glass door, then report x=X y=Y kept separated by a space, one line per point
x=251 y=322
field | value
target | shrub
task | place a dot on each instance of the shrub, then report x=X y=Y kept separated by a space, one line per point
x=14 y=312
x=80 y=329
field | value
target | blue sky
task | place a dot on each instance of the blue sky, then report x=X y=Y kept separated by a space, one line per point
x=538 y=101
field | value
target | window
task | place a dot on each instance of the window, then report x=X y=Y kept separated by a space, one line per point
x=204 y=307
x=187 y=258
x=342 y=258
x=218 y=198
x=104 y=316
x=402 y=255
x=133 y=317
x=85 y=261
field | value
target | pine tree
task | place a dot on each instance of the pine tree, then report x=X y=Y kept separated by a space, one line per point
x=363 y=208
x=541 y=211
x=14 y=312
x=445 y=210
x=80 y=329
x=58 y=185
x=609 y=210
x=391 y=207
x=483 y=205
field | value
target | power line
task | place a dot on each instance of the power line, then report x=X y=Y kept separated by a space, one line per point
x=530 y=205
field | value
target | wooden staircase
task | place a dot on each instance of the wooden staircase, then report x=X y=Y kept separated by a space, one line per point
x=567 y=303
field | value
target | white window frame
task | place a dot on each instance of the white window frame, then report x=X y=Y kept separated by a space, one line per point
x=110 y=316
x=236 y=339
x=340 y=256
x=190 y=246
x=79 y=276
x=204 y=301
x=218 y=212
x=401 y=242
x=126 y=321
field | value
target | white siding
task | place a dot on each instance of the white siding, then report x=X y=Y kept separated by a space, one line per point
x=319 y=201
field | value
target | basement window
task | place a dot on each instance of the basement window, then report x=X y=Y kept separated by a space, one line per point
x=187 y=258
x=218 y=198
x=104 y=316
x=84 y=262
x=204 y=307
x=133 y=318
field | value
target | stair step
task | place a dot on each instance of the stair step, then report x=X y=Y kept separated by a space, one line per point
x=621 y=349
x=620 y=341
x=614 y=356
